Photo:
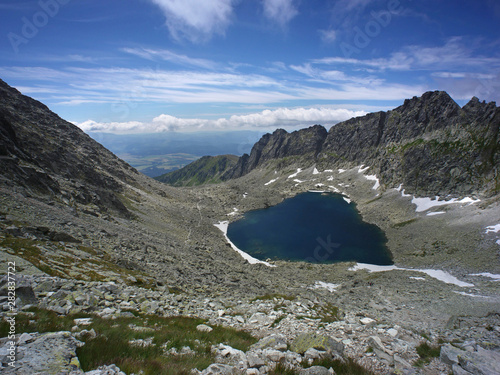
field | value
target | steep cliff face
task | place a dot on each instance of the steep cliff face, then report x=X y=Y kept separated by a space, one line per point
x=278 y=145
x=45 y=154
x=429 y=144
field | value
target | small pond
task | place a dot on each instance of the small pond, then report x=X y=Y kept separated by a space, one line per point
x=312 y=227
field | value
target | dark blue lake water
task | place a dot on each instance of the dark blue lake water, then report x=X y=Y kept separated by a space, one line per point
x=315 y=227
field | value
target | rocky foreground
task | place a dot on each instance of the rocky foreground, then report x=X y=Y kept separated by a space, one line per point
x=292 y=332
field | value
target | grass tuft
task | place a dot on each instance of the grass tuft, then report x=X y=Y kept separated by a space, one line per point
x=112 y=343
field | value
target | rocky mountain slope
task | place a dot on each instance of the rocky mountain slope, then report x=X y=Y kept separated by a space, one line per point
x=429 y=144
x=92 y=241
x=207 y=169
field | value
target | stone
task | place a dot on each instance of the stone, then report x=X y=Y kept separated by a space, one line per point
x=204 y=328
x=367 y=322
x=457 y=370
x=320 y=342
x=401 y=362
x=376 y=343
x=233 y=356
x=51 y=353
x=315 y=370
x=255 y=360
x=449 y=354
x=261 y=319
x=277 y=342
x=83 y=321
x=273 y=355
x=24 y=338
x=312 y=353
x=392 y=332
x=482 y=362
x=219 y=369
x=106 y=370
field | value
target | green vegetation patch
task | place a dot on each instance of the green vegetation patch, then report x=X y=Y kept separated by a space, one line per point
x=426 y=353
x=121 y=341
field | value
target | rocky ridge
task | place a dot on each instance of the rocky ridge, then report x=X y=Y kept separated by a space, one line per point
x=429 y=144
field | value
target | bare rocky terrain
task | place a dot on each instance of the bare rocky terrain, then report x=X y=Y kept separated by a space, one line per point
x=89 y=234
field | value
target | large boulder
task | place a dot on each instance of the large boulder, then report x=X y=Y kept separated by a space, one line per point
x=320 y=342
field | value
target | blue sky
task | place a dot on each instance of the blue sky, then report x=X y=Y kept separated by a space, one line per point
x=191 y=65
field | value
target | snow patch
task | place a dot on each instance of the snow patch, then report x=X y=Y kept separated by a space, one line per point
x=298 y=181
x=328 y=286
x=436 y=213
x=373 y=178
x=235 y=211
x=493 y=229
x=328 y=170
x=417 y=278
x=362 y=170
x=436 y=274
x=426 y=203
x=487 y=274
x=346 y=199
x=330 y=178
x=270 y=182
x=470 y=295
x=423 y=204
x=341 y=170
x=296 y=173
x=315 y=171
x=223 y=225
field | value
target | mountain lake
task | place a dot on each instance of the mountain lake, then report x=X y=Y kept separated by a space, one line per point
x=313 y=227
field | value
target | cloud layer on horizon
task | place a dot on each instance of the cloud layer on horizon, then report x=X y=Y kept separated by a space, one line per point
x=265 y=120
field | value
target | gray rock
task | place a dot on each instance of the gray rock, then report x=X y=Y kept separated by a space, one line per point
x=261 y=319
x=277 y=342
x=255 y=360
x=311 y=340
x=204 y=328
x=49 y=353
x=449 y=354
x=315 y=370
x=482 y=362
x=106 y=370
x=218 y=369
x=457 y=370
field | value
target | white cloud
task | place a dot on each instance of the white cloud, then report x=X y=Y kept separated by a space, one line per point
x=452 y=55
x=328 y=36
x=280 y=11
x=196 y=20
x=166 y=55
x=267 y=119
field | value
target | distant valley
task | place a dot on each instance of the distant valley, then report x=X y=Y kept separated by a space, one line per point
x=159 y=153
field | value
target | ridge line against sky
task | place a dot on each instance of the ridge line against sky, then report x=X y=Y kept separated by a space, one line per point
x=170 y=65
